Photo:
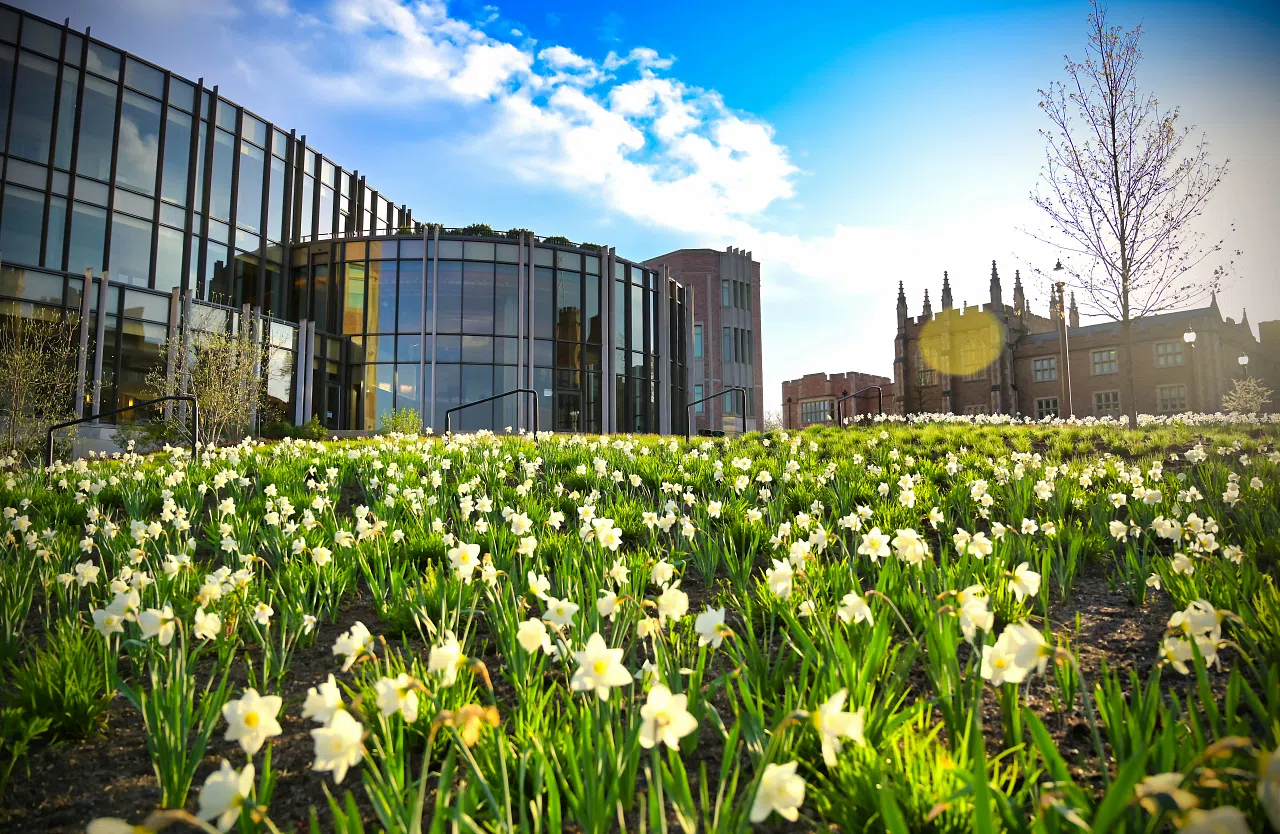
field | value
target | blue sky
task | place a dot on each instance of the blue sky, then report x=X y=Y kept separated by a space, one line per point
x=847 y=145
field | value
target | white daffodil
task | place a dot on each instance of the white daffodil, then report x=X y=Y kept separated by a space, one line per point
x=834 y=725
x=337 y=745
x=665 y=718
x=711 y=628
x=223 y=794
x=251 y=719
x=323 y=701
x=781 y=790
x=398 y=695
x=599 y=668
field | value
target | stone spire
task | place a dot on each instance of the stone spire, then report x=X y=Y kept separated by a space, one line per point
x=927 y=311
x=1019 y=298
x=997 y=296
x=902 y=308
x=1244 y=319
x=946 y=292
x=1074 y=313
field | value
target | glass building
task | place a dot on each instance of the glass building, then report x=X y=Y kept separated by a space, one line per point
x=170 y=200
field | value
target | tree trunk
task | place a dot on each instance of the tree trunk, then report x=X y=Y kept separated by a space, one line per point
x=1130 y=400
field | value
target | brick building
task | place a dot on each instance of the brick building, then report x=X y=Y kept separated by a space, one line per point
x=812 y=399
x=725 y=349
x=1000 y=358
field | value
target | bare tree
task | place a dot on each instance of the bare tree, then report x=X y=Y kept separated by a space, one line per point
x=773 y=419
x=37 y=379
x=227 y=366
x=1122 y=188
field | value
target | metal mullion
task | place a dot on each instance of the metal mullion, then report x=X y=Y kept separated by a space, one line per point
x=188 y=211
x=53 y=146
x=158 y=201
x=117 y=366
x=359 y=210
x=207 y=178
x=264 y=212
x=75 y=147
x=13 y=90
x=111 y=184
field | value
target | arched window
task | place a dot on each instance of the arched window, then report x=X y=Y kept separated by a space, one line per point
x=926 y=361
x=973 y=359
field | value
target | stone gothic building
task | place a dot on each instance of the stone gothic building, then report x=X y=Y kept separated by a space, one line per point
x=1001 y=358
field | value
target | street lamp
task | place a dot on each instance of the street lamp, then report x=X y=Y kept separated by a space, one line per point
x=1244 y=363
x=1066 y=347
x=1190 y=338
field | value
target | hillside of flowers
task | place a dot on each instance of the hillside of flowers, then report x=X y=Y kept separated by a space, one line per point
x=925 y=626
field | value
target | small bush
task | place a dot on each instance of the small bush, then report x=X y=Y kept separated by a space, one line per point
x=402 y=421
x=64 y=681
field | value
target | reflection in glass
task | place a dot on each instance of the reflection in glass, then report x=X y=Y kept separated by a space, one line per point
x=411 y=298
x=569 y=306
x=544 y=310
x=88 y=231
x=224 y=151
x=130 y=250
x=97 y=128
x=33 y=99
x=249 y=195
x=449 y=298
x=139 y=143
x=169 y=259
x=506 y=319
x=66 y=118
x=20 y=231
x=477 y=297
x=353 y=299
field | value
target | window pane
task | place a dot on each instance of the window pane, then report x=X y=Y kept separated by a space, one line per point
x=412 y=290
x=6 y=79
x=477 y=297
x=104 y=61
x=507 y=300
x=326 y=211
x=477 y=383
x=223 y=158
x=591 y=309
x=449 y=297
x=57 y=227
x=139 y=142
x=181 y=94
x=568 y=306
x=543 y=303
x=382 y=281
x=23 y=219
x=448 y=392
x=249 y=197
x=308 y=193
x=217 y=275
x=97 y=128
x=41 y=37
x=381 y=377
x=477 y=349
x=88 y=230
x=130 y=250
x=353 y=299
x=169 y=259
x=637 y=317
x=33 y=108
x=275 y=204
x=619 y=315
x=139 y=76
x=407 y=387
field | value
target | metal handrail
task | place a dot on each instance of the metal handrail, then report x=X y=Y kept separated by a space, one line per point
x=688 y=423
x=860 y=391
x=449 y=413
x=195 y=422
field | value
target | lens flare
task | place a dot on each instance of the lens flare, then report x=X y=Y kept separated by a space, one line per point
x=961 y=344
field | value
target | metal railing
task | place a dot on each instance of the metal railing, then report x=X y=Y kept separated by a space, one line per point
x=688 y=424
x=93 y=418
x=859 y=392
x=448 y=415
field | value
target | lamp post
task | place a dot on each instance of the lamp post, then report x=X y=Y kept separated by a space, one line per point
x=1066 y=347
x=1190 y=338
x=1244 y=364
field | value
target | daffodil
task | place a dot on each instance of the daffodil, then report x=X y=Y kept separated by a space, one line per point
x=665 y=718
x=781 y=791
x=251 y=719
x=223 y=794
x=338 y=745
x=323 y=701
x=599 y=668
x=834 y=725
x=398 y=695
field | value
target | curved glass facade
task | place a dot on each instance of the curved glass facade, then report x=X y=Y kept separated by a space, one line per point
x=114 y=165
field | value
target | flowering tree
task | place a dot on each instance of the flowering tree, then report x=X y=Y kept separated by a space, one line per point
x=1122 y=189
x=1247 y=396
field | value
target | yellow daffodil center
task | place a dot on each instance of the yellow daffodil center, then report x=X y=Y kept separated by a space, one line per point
x=251 y=719
x=599 y=666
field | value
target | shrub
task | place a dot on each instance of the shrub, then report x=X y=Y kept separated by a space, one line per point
x=402 y=421
x=477 y=230
x=558 y=240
